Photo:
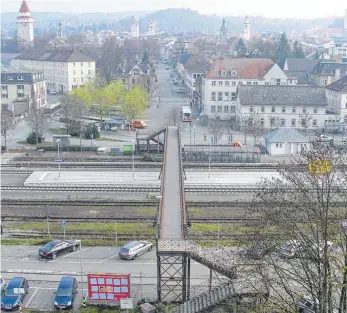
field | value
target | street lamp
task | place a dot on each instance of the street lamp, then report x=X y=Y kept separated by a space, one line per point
x=58 y=142
x=133 y=141
x=80 y=242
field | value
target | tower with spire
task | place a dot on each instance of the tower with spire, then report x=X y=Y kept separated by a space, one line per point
x=60 y=29
x=135 y=33
x=247 y=29
x=25 y=27
x=223 y=36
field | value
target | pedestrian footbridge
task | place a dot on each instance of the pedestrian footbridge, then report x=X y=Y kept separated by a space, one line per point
x=174 y=250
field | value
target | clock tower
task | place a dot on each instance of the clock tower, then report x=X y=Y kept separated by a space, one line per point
x=25 y=27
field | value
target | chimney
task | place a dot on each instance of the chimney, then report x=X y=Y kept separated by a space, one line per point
x=337 y=74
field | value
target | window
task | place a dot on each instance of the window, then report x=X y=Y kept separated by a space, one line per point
x=232 y=109
x=262 y=122
x=74 y=80
x=213 y=108
x=219 y=108
x=74 y=64
x=220 y=83
x=272 y=122
x=233 y=83
x=233 y=96
x=213 y=96
x=233 y=73
x=278 y=82
x=267 y=83
x=10 y=77
x=81 y=79
x=303 y=122
x=74 y=72
x=20 y=77
x=278 y=145
x=293 y=122
x=4 y=96
x=226 y=83
x=314 y=123
x=325 y=82
x=81 y=64
x=4 y=88
x=283 y=109
x=293 y=109
x=255 y=83
x=213 y=83
x=283 y=123
x=249 y=83
x=133 y=81
x=74 y=87
x=220 y=96
x=20 y=87
x=262 y=109
x=226 y=109
x=81 y=72
x=251 y=109
x=226 y=96
x=304 y=110
x=315 y=110
x=273 y=109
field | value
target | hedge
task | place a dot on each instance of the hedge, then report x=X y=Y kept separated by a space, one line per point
x=71 y=148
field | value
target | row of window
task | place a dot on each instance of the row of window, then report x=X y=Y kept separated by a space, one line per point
x=74 y=64
x=19 y=77
x=227 y=83
x=219 y=109
x=283 y=110
x=227 y=96
x=89 y=72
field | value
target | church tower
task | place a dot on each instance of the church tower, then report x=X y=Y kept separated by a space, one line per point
x=135 y=33
x=25 y=27
x=247 y=29
x=223 y=36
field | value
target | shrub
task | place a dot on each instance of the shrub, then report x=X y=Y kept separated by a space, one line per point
x=31 y=139
x=92 y=129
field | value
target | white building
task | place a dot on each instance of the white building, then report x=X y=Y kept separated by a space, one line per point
x=286 y=142
x=135 y=32
x=25 y=27
x=247 y=29
x=336 y=94
x=297 y=107
x=219 y=87
x=151 y=27
x=64 y=70
x=338 y=50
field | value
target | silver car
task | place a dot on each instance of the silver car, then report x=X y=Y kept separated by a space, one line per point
x=133 y=249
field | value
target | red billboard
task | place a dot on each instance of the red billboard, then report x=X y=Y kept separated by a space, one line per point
x=108 y=287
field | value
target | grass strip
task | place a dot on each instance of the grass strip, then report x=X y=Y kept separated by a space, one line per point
x=108 y=139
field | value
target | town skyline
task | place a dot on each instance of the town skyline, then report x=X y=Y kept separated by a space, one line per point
x=268 y=8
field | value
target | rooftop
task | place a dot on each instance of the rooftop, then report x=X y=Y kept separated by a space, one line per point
x=54 y=56
x=300 y=64
x=24 y=8
x=16 y=70
x=339 y=85
x=285 y=135
x=282 y=95
x=326 y=68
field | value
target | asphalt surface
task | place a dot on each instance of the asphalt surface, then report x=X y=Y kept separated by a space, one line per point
x=44 y=275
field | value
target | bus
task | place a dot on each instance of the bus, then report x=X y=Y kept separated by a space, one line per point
x=186 y=113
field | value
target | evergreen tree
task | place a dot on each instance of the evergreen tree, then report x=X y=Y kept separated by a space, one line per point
x=241 y=48
x=297 y=50
x=145 y=57
x=283 y=50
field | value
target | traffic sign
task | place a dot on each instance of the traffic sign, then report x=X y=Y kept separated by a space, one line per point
x=59 y=160
x=63 y=223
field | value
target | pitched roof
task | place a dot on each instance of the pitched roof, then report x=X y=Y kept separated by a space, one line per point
x=300 y=64
x=245 y=68
x=303 y=78
x=24 y=8
x=195 y=61
x=285 y=135
x=339 y=85
x=281 y=95
x=54 y=56
x=329 y=68
x=184 y=58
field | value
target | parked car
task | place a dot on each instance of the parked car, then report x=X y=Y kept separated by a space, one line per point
x=139 y=124
x=66 y=293
x=56 y=247
x=292 y=248
x=257 y=252
x=324 y=138
x=3 y=284
x=133 y=249
x=11 y=300
x=53 y=92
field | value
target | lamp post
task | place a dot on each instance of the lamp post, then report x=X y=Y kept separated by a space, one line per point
x=194 y=134
x=58 y=141
x=80 y=241
x=133 y=141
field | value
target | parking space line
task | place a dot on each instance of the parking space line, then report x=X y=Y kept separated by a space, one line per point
x=111 y=257
x=77 y=251
x=36 y=289
x=149 y=262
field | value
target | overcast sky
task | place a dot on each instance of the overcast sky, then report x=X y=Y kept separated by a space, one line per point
x=267 y=8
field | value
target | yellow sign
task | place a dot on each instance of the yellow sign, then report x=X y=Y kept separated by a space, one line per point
x=319 y=167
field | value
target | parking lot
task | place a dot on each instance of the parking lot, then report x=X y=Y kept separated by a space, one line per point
x=43 y=275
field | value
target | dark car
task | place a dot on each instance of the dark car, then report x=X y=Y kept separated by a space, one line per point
x=66 y=293
x=257 y=252
x=56 y=247
x=14 y=294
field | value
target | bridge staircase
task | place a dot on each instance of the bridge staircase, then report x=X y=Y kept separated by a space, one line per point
x=145 y=140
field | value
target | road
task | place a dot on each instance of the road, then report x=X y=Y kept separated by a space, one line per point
x=43 y=275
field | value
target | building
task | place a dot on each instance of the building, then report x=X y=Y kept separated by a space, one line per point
x=25 y=27
x=64 y=70
x=336 y=51
x=151 y=28
x=6 y=59
x=247 y=29
x=219 y=87
x=286 y=142
x=325 y=73
x=135 y=32
x=336 y=94
x=300 y=107
x=18 y=87
x=299 y=69
x=223 y=33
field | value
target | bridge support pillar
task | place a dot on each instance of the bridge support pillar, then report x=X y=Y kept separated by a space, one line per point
x=173 y=271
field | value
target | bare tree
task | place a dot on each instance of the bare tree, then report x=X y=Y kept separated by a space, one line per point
x=305 y=121
x=72 y=109
x=253 y=124
x=174 y=116
x=275 y=122
x=215 y=128
x=6 y=124
x=301 y=212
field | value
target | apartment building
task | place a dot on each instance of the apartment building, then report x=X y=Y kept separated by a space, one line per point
x=336 y=94
x=64 y=70
x=18 y=87
x=219 y=87
x=325 y=73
